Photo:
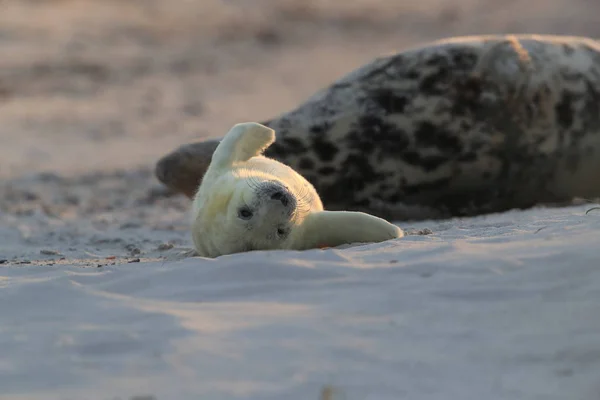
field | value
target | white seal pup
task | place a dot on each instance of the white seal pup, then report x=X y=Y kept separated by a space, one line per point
x=247 y=201
x=457 y=127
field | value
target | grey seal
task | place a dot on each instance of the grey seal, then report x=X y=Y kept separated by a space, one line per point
x=457 y=127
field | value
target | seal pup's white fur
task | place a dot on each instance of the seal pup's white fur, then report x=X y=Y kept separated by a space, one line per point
x=250 y=202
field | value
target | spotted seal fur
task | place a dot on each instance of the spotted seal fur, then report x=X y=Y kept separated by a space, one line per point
x=458 y=127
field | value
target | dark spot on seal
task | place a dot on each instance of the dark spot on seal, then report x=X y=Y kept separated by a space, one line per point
x=372 y=132
x=411 y=157
x=294 y=144
x=462 y=59
x=592 y=104
x=589 y=151
x=326 y=171
x=568 y=50
x=395 y=198
x=573 y=163
x=471 y=156
x=564 y=110
x=285 y=146
x=306 y=163
x=428 y=163
x=435 y=83
x=468 y=93
x=430 y=135
x=423 y=188
x=362 y=203
x=359 y=166
x=389 y=101
x=312 y=179
x=437 y=60
x=321 y=129
x=412 y=74
x=276 y=151
x=324 y=149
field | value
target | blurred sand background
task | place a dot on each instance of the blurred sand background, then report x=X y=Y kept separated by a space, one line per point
x=93 y=92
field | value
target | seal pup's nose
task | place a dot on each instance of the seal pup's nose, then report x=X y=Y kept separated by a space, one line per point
x=281 y=196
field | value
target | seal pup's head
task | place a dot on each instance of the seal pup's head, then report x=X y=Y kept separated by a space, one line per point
x=263 y=208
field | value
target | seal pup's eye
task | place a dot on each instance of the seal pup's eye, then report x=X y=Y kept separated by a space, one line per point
x=244 y=213
x=281 y=231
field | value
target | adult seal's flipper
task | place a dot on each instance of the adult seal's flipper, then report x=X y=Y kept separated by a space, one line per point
x=182 y=169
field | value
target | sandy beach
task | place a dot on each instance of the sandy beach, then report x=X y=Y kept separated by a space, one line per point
x=92 y=93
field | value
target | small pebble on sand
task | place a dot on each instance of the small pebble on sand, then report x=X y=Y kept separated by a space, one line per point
x=47 y=252
x=165 y=246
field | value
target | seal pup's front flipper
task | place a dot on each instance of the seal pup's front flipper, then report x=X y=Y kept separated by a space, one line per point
x=334 y=228
x=241 y=143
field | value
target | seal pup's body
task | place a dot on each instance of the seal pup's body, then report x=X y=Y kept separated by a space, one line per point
x=249 y=202
x=458 y=127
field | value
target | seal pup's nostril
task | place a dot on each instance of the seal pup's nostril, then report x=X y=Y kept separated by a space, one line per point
x=282 y=197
